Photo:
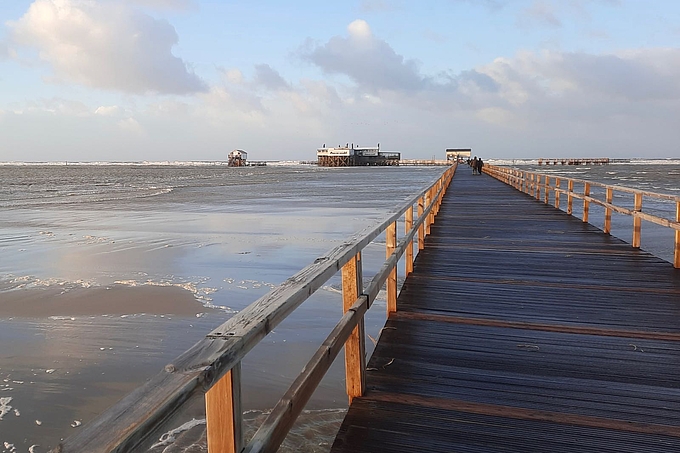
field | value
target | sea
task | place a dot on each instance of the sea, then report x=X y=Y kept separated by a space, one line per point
x=224 y=237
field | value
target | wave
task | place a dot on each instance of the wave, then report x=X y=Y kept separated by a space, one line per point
x=613 y=161
x=146 y=163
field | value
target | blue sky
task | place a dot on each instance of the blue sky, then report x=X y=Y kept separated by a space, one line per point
x=131 y=80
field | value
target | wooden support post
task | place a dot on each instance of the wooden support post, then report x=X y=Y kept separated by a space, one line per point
x=570 y=198
x=355 y=347
x=430 y=216
x=428 y=200
x=637 y=221
x=609 y=196
x=538 y=187
x=546 y=191
x=408 y=226
x=586 y=203
x=557 y=193
x=391 y=240
x=223 y=413
x=676 y=261
x=533 y=185
x=421 y=228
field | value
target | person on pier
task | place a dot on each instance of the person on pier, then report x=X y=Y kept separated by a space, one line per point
x=474 y=166
x=480 y=165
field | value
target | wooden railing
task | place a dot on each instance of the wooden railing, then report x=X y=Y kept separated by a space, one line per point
x=212 y=366
x=536 y=183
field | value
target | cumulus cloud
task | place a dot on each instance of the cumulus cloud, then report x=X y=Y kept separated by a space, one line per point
x=106 y=45
x=634 y=76
x=269 y=78
x=378 y=70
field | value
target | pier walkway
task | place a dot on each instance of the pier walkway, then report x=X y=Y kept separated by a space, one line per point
x=523 y=329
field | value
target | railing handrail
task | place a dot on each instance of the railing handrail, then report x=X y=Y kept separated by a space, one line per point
x=128 y=423
x=661 y=196
x=530 y=182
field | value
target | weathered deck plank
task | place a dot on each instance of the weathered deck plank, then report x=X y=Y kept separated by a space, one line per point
x=523 y=329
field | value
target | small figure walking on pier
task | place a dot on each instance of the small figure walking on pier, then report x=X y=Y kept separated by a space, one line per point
x=480 y=165
x=474 y=165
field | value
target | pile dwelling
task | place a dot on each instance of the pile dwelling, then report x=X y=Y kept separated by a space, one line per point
x=350 y=156
x=458 y=154
x=237 y=158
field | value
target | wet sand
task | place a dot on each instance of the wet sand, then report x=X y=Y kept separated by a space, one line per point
x=109 y=300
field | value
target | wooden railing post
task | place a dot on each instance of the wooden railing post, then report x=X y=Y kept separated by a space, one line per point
x=676 y=261
x=637 y=221
x=430 y=216
x=223 y=413
x=586 y=203
x=557 y=193
x=609 y=196
x=391 y=240
x=408 y=226
x=538 y=187
x=355 y=347
x=546 y=192
x=570 y=198
x=421 y=228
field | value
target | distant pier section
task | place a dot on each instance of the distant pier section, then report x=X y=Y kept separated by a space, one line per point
x=577 y=161
x=351 y=156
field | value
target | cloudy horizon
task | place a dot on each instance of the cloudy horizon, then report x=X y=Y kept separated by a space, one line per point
x=157 y=80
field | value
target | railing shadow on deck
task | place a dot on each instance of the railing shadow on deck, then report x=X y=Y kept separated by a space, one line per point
x=212 y=366
x=535 y=184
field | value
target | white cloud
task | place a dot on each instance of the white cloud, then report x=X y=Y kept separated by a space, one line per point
x=106 y=45
x=131 y=125
x=367 y=60
x=108 y=110
x=234 y=76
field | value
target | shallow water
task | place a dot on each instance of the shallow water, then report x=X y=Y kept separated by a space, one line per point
x=225 y=235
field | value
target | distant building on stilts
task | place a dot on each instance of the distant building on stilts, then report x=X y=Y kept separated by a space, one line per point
x=237 y=158
x=351 y=156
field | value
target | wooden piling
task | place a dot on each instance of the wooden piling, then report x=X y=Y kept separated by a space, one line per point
x=609 y=196
x=355 y=347
x=570 y=198
x=421 y=228
x=391 y=241
x=223 y=413
x=408 y=225
x=676 y=261
x=586 y=202
x=637 y=221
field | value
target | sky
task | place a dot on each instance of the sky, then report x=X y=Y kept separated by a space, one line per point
x=191 y=80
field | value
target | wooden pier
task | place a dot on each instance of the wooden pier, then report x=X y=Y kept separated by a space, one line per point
x=523 y=328
x=574 y=161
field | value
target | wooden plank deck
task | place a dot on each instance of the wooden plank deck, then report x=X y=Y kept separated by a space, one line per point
x=523 y=329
